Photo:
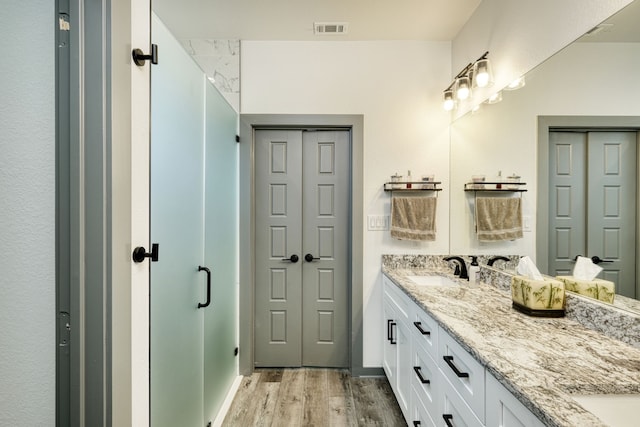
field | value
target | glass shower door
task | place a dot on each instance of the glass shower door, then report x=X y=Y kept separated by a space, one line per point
x=221 y=250
x=177 y=224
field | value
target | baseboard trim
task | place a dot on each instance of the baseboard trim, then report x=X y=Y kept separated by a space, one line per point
x=222 y=413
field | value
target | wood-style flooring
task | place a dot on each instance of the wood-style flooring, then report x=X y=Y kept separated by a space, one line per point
x=313 y=397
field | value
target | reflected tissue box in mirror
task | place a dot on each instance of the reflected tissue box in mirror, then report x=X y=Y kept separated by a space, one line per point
x=603 y=290
x=542 y=298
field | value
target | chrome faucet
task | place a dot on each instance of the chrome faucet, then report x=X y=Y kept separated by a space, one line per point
x=497 y=258
x=461 y=266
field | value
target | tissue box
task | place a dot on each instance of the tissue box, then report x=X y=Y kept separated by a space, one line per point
x=542 y=298
x=603 y=290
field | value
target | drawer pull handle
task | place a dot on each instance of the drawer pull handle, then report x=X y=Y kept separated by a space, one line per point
x=390 y=325
x=418 y=372
x=416 y=423
x=449 y=360
x=447 y=419
x=418 y=325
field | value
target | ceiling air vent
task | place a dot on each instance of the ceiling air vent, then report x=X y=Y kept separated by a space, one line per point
x=330 y=28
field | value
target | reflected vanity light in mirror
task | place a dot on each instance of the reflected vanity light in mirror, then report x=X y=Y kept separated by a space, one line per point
x=516 y=84
x=495 y=98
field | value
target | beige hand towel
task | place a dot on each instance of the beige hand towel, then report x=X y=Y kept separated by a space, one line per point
x=498 y=218
x=413 y=218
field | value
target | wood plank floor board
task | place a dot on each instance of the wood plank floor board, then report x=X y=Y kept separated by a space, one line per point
x=238 y=413
x=341 y=407
x=316 y=407
x=313 y=397
x=290 y=405
x=266 y=396
x=375 y=403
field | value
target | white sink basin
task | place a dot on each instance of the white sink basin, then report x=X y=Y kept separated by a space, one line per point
x=616 y=410
x=433 y=280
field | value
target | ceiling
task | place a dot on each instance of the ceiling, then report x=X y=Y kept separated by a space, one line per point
x=433 y=20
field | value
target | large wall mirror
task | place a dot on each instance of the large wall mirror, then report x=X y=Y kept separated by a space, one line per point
x=591 y=85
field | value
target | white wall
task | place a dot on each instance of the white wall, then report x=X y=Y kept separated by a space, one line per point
x=27 y=214
x=589 y=79
x=521 y=34
x=397 y=87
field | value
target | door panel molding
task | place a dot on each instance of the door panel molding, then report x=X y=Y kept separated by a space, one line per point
x=248 y=123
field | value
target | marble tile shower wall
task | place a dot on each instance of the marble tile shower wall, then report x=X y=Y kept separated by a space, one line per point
x=220 y=60
x=620 y=324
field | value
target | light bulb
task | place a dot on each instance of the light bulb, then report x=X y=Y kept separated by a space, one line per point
x=463 y=89
x=483 y=74
x=449 y=102
x=482 y=79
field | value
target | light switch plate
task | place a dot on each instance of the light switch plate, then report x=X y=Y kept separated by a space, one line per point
x=377 y=222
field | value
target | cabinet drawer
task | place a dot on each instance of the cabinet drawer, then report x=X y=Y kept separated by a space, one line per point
x=424 y=330
x=426 y=379
x=465 y=374
x=396 y=297
x=504 y=410
x=420 y=416
x=455 y=409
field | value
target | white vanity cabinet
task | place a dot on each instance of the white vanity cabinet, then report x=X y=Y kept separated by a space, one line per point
x=435 y=380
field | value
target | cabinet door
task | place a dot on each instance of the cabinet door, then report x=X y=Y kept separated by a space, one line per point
x=504 y=410
x=405 y=368
x=390 y=354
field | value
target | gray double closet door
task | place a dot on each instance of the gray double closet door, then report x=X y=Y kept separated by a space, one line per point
x=592 y=201
x=302 y=234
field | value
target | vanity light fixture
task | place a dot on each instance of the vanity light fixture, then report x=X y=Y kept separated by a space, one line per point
x=477 y=74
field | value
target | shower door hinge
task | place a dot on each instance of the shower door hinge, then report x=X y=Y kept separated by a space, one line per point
x=139 y=57
x=237 y=138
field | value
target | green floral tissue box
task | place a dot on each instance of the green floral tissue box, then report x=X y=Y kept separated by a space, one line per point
x=603 y=290
x=542 y=298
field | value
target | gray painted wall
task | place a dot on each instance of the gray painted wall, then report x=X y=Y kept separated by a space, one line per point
x=27 y=214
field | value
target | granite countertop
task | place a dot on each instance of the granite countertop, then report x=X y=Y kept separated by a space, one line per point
x=542 y=361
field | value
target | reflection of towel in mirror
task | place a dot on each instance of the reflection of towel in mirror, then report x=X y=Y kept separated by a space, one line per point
x=498 y=218
x=413 y=218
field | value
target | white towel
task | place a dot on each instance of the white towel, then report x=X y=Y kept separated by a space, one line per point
x=413 y=218
x=498 y=218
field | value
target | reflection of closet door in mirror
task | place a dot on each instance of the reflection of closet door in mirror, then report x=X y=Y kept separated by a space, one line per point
x=592 y=203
